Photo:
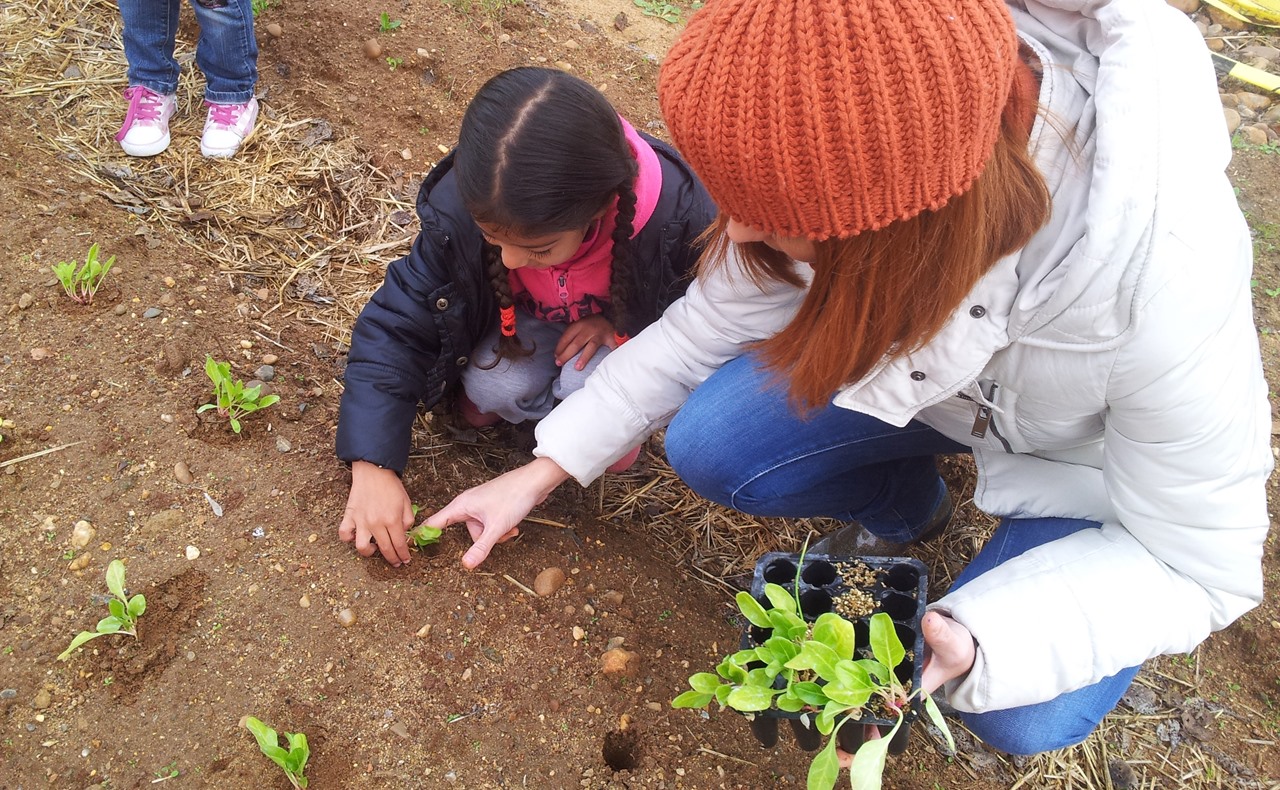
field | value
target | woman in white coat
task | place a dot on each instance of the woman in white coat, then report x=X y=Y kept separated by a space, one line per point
x=961 y=226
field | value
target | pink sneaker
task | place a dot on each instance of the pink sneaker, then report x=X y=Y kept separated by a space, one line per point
x=145 y=131
x=625 y=462
x=227 y=127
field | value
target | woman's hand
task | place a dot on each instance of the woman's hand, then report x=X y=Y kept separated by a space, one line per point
x=493 y=510
x=949 y=652
x=586 y=336
x=378 y=514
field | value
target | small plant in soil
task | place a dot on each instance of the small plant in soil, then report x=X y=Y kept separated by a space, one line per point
x=293 y=761
x=422 y=535
x=386 y=24
x=231 y=398
x=814 y=669
x=83 y=282
x=667 y=12
x=125 y=612
x=394 y=63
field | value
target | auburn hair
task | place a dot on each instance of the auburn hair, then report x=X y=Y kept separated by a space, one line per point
x=540 y=152
x=888 y=292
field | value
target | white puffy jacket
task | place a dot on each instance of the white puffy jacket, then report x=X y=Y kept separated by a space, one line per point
x=1116 y=352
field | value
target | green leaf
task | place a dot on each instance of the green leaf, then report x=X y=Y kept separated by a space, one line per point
x=115 y=578
x=848 y=697
x=109 y=625
x=137 y=605
x=818 y=657
x=874 y=669
x=885 y=645
x=704 y=682
x=81 y=638
x=731 y=671
x=752 y=610
x=212 y=371
x=722 y=695
x=825 y=721
x=788 y=625
x=750 y=698
x=267 y=401
x=825 y=768
x=116 y=607
x=810 y=692
x=835 y=632
x=783 y=650
x=206 y=407
x=744 y=657
x=693 y=699
x=935 y=716
x=867 y=770
x=780 y=598
x=789 y=702
x=235 y=425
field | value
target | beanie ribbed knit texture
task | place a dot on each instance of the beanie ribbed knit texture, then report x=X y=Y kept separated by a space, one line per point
x=826 y=118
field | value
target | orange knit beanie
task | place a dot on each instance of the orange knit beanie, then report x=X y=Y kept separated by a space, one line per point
x=826 y=118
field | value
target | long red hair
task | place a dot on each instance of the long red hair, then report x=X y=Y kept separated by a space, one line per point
x=889 y=291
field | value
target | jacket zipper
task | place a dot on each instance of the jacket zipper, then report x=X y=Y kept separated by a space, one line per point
x=986 y=418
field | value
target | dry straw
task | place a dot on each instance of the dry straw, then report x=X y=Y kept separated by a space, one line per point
x=306 y=214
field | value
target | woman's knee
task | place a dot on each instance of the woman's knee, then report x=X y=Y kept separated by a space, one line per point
x=1028 y=731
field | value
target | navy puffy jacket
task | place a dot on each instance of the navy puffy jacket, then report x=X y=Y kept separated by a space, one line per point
x=414 y=337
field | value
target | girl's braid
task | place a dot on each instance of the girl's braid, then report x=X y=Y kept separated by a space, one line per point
x=620 y=280
x=509 y=346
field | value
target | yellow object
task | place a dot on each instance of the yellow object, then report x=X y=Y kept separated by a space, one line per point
x=1257 y=12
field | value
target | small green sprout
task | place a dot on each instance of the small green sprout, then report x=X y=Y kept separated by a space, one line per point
x=667 y=12
x=394 y=63
x=422 y=535
x=125 y=612
x=293 y=761
x=386 y=24
x=82 y=283
x=232 y=400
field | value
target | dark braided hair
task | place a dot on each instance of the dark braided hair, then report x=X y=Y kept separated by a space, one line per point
x=540 y=152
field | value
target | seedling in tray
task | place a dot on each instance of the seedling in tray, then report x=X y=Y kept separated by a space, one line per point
x=231 y=398
x=82 y=283
x=125 y=612
x=292 y=761
x=801 y=659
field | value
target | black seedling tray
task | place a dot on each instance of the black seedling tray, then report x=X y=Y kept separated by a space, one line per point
x=898 y=588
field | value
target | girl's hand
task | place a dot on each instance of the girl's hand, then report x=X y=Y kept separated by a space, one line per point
x=378 y=515
x=586 y=336
x=493 y=510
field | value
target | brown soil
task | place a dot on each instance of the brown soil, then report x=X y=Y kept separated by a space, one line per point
x=499 y=691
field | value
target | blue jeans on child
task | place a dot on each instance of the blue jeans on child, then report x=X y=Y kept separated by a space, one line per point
x=226 y=52
x=737 y=442
x=525 y=388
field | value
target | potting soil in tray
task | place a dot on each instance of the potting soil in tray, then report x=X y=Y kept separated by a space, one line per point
x=855 y=588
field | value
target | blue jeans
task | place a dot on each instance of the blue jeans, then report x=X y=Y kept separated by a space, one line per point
x=227 y=52
x=738 y=442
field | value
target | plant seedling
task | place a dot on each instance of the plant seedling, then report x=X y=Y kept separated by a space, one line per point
x=232 y=399
x=125 y=612
x=394 y=63
x=422 y=535
x=667 y=12
x=82 y=283
x=386 y=24
x=820 y=675
x=292 y=761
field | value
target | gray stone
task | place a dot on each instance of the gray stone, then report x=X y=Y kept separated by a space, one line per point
x=152 y=312
x=265 y=373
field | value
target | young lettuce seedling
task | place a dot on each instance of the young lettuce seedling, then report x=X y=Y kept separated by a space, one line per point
x=232 y=399
x=292 y=761
x=422 y=535
x=81 y=284
x=124 y=615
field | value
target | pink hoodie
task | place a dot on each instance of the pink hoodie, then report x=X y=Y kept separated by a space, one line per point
x=579 y=287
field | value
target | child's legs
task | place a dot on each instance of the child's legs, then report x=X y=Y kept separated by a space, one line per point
x=149 y=29
x=738 y=442
x=571 y=379
x=227 y=52
x=1068 y=718
x=516 y=389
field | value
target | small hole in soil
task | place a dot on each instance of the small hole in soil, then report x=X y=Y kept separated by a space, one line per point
x=819 y=573
x=780 y=572
x=902 y=577
x=622 y=750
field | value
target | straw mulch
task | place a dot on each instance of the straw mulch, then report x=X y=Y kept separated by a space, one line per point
x=308 y=217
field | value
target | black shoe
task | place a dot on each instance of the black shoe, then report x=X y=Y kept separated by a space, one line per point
x=855 y=541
